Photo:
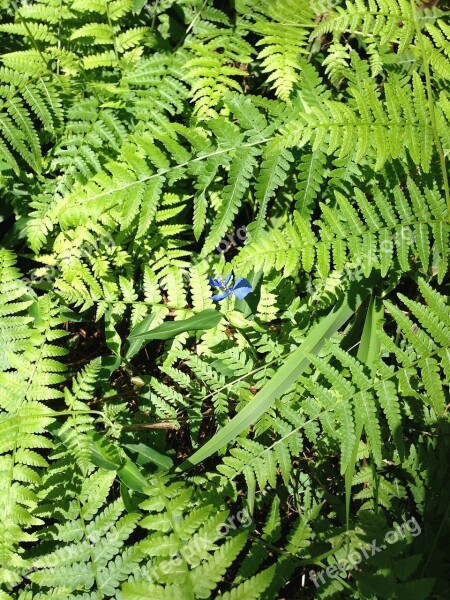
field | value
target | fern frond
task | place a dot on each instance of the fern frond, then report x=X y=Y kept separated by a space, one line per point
x=210 y=72
x=15 y=323
x=282 y=46
x=89 y=544
x=75 y=430
x=390 y=21
x=310 y=177
x=240 y=172
x=23 y=98
x=369 y=237
x=26 y=383
x=372 y=126
x=252 y=589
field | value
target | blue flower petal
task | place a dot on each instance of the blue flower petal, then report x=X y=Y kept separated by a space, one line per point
x=241 y=288
x=219 y=297
x=227 y=279
x=215 y=282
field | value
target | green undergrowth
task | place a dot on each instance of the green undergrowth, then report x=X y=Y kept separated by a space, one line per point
x=288 y=439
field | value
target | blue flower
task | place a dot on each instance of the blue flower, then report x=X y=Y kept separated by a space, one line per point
x=240 y=288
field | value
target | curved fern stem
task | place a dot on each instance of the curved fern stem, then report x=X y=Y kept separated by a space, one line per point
x=25 y=24
x=110 y=25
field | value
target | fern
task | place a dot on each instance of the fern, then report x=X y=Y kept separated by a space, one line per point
x=191 y=570
x=75 y=432
x=371 y=126
x=282 y=43
x=92 y=540
x=27 y=382
x=380 y=19
x=387 y=394
x=349 y=239
x=211 y=75
x=240 y=172
x=14 y=327
x=137 y=141
x=23 y=99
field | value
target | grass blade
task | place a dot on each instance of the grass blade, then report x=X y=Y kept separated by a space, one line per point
x=207 y=319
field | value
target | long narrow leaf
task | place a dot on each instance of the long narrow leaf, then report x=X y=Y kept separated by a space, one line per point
x=207 y=319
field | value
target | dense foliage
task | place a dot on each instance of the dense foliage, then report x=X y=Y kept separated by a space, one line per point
x=158 y=443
